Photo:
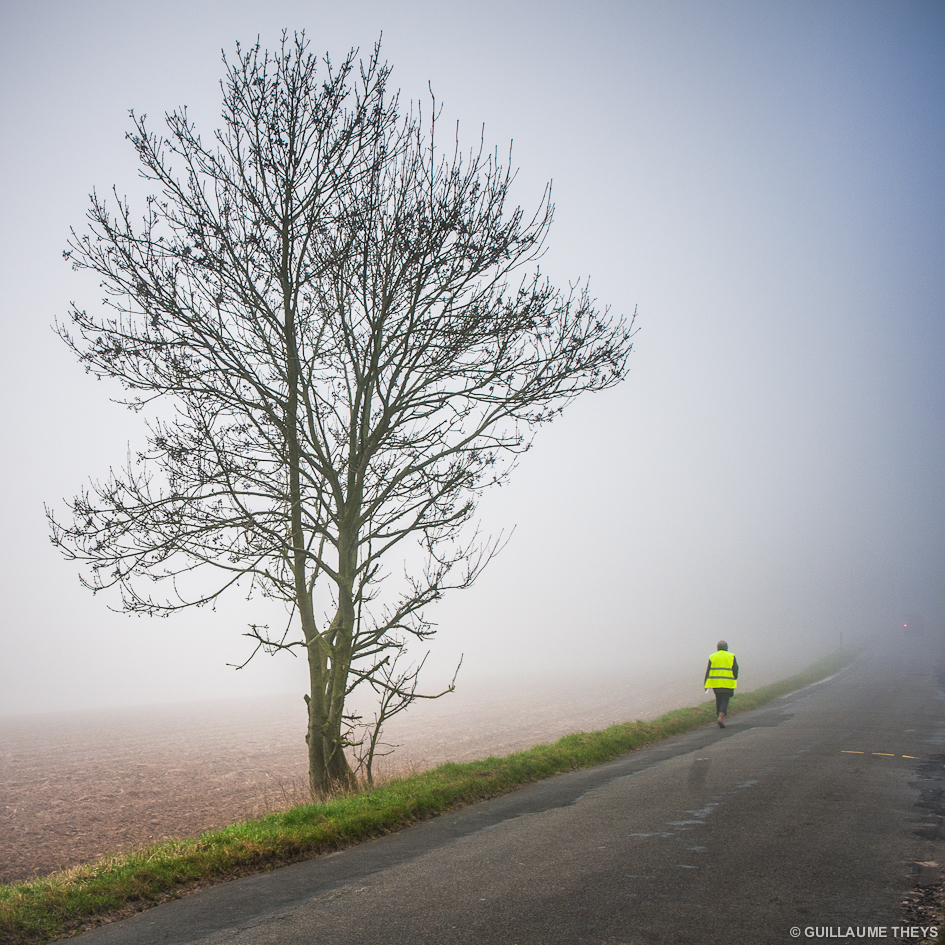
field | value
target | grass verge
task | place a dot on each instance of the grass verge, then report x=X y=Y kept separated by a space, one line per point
x=73 y=900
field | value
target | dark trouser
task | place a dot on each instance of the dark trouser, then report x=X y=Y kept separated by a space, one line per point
x=721 y=699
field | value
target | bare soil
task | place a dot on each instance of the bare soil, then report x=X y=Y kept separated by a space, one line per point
x=77 y=786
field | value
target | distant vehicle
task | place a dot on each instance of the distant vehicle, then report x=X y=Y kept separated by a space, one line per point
x=914 y=623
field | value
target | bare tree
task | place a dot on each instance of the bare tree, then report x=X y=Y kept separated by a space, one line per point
x=356 y=341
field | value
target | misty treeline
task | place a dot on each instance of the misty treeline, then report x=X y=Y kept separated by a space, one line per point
x=354 y=338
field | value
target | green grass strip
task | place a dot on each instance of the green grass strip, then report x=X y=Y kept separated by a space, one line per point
x=69 y=901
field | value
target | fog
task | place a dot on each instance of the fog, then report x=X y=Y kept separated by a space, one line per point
x=764 y=182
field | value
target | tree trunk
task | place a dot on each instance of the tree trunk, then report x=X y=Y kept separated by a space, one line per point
x=329 y=660
x=329 y=769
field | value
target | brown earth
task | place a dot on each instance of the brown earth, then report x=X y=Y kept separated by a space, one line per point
x=80 y=785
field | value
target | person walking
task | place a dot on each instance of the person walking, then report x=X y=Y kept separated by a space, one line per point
x=721 y=675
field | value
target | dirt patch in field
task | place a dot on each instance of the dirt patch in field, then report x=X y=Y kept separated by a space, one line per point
x=81 y=785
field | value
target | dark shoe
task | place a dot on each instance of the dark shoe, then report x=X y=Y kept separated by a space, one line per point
x=721 y=720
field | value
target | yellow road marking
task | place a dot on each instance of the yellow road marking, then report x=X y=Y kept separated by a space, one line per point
x=881 y=754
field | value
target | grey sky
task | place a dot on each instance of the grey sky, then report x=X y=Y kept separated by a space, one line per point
x=766 y=181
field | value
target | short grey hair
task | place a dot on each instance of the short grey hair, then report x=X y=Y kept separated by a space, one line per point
x=721 y=645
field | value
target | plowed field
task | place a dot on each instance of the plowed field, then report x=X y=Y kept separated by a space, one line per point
x=80 y=785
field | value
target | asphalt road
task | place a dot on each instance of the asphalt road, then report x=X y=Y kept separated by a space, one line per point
x=812 y=815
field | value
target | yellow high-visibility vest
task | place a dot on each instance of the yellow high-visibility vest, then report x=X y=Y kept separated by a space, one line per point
x=720 y=670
